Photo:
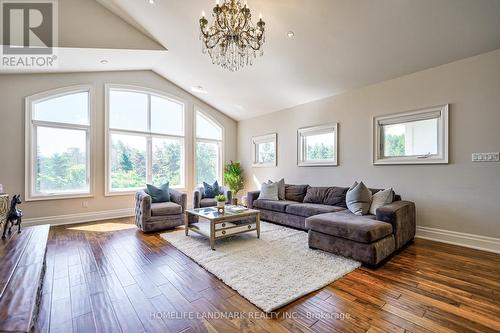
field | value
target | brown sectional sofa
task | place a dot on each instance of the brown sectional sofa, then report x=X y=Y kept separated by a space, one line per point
x=322 y=211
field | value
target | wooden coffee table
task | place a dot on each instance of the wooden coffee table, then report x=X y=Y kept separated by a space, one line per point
x=235 y=220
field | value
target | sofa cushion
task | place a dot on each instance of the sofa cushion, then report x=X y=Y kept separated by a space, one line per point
x=333 y=196
x=208 y=202
x=274 y=205
x=310 y=209
x=269 y=191
x=295 y=192
x=359 y=198
x=281 y=188
x=364 y=229
x=165 y=208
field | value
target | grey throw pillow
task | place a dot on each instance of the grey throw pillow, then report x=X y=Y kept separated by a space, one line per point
x=381 y=198
x=358 y=199
x=269 y=192
x=281 y=188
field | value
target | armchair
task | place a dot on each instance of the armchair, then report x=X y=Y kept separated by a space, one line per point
x=151 y=217
x=200 y=202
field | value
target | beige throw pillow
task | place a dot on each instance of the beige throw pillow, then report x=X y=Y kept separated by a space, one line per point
x=281 y=188
x=381 y=198
x=269 y=191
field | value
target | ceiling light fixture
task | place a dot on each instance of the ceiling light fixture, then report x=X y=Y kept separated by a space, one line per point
x=104 y=61
x=232 y=41
x=290 y=34
x=199 y=89
x=151 y=2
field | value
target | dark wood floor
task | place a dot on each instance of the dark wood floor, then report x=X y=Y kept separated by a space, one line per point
x=109 y=277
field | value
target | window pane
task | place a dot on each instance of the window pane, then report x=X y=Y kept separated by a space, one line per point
x=266 y=152
x=411 y=138
x=61 y=161
x=128 y=162
x=206 y=129
x=320 y=146
x=167 y=161
x=69 y=109
x=207 y=162
x=128 y=110
x=166 y=116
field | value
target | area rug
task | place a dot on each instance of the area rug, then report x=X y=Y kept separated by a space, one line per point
x=271 y=271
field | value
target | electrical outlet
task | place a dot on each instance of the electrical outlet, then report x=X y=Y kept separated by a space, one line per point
x=485 y=157
x=85 y=204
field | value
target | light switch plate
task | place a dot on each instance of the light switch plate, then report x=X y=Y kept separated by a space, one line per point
x=486 y=157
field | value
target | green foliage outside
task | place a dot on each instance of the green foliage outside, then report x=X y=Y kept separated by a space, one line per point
x=319 y=151
x=233 y=176
x=206 y=162
x=394 y=145
x=267 y=153
x=61 y=172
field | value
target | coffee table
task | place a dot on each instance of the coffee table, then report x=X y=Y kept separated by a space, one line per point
x=235 y=220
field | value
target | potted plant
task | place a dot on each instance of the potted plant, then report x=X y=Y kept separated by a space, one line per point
x=233 y=177
x=221 y=200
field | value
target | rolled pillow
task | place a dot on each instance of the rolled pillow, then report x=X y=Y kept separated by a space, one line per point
x=358 y=199
x=381 y=198
x=269 y=192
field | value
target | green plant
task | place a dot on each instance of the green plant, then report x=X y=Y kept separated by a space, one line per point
x=233 y=176
x=220 y=198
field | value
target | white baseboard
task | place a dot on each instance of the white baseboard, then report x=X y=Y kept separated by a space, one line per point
x=79 y=218
x=478 y=242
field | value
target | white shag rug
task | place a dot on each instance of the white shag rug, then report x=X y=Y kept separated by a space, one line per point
x=271 y=271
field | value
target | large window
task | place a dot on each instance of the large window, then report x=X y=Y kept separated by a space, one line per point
x=317 y=145
x=208 y=149
x=415 y=137
x=145 y=139
x=58 y=144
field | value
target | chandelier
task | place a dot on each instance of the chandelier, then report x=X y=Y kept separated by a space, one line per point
x=232 y=41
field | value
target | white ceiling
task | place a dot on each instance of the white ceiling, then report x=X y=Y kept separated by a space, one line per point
x=339 y=45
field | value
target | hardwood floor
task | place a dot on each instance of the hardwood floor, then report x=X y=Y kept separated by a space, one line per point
x=110 y=277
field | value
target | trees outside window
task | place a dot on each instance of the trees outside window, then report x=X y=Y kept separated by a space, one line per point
x=58 y=143
x=317 y=145
x=208 y=149
x=146 y=139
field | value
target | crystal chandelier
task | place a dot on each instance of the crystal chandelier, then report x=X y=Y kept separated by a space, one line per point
x=232 y=41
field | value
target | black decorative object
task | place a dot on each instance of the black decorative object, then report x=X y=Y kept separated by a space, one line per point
x=14 y=216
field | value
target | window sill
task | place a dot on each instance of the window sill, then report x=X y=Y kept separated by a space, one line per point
x=399 y=161
x=58 y=197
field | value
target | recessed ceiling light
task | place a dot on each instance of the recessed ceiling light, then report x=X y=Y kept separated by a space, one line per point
x=151 y=2
x=199 y=89
x=290 y=34
x=104 y=61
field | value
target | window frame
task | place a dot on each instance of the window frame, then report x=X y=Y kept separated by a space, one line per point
x=147 y=134
x=442 y=112
x=256 y=140
x=31 y=141
x=316 y=130
x=220 y=143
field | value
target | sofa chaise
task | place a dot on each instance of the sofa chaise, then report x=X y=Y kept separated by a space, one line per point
x=322 y=211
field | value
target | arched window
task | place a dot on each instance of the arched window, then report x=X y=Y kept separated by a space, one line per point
x=145 y=133
x=59 y=144
x=209 y=138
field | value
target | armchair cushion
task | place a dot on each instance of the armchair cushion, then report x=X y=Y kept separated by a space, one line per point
x=208 y=202
x=165 y=208
x=159 y=194
x=210 y=191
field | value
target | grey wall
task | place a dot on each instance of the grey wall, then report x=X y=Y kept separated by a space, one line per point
x=460 y=196
x=13 y=90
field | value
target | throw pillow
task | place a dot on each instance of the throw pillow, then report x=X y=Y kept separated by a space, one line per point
x=158 y=194
x=281 y=188
x=358 y=199
x=295 y=192
x=211 y=191
x=381 y=198
x=269 y=192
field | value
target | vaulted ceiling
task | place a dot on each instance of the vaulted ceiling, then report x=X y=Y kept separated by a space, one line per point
x=338 y=45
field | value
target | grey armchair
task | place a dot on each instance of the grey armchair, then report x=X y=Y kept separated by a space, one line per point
x=200 y=202
x=151 y=217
